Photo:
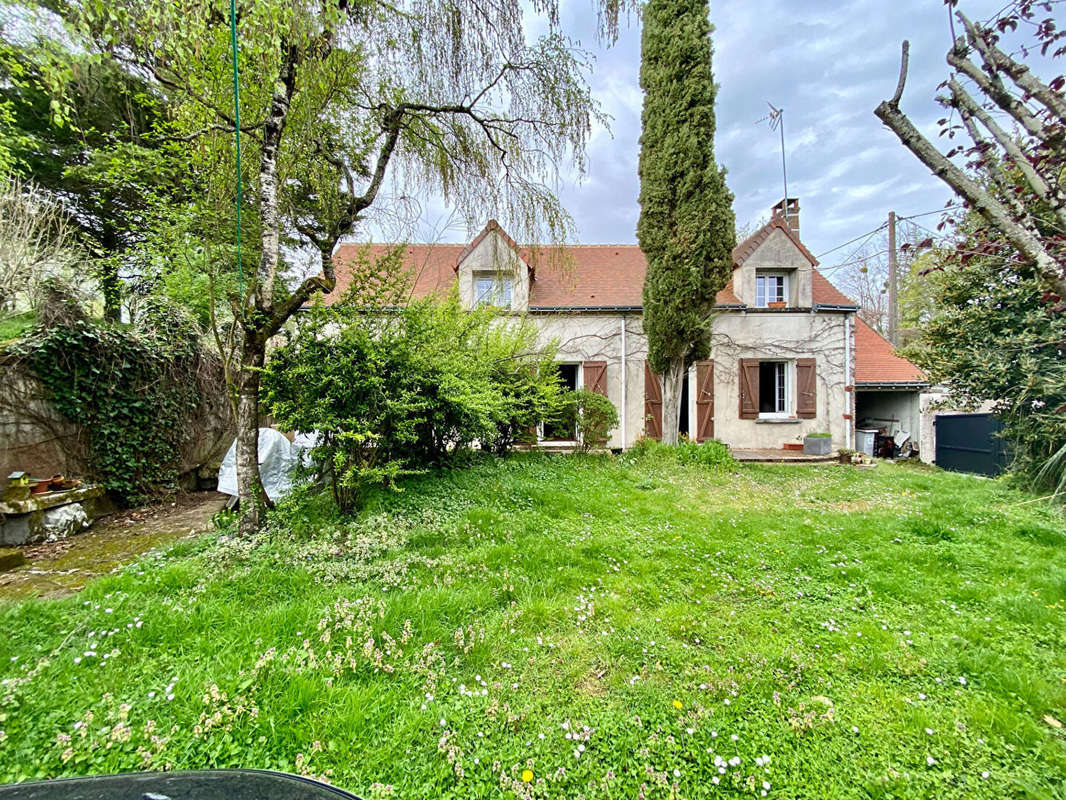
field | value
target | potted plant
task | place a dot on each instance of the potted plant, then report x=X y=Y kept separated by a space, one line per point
x=817 y=444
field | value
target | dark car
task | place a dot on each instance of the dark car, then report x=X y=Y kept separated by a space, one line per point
x=214 y=784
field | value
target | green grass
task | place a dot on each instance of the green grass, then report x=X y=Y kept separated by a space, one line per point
x=14 y=326
x=613 y=625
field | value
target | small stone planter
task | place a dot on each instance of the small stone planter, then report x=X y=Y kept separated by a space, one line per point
x=817 y=445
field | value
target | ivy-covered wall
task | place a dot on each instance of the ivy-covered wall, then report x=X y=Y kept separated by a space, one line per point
x=132 y=407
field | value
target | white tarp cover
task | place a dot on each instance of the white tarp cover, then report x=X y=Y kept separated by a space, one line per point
x=277 y=457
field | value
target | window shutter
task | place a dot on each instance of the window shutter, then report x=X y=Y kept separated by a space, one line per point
x=595 y=376
x=806 y=388
x=653 y=404
x=748 y=372
x=704 y=400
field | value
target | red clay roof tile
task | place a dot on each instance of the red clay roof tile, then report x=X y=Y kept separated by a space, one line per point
x=876 y=360
x=612 y=275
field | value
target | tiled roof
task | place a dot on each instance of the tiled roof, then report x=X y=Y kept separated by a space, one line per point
x=876 y=360
x=612 y=275
x=576 y=276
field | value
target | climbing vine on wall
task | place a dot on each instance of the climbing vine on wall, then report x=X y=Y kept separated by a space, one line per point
x=131 y=388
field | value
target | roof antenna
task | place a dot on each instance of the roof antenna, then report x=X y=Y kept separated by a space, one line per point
x=777 y=122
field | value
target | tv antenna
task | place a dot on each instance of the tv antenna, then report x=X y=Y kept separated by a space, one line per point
x=776 y=118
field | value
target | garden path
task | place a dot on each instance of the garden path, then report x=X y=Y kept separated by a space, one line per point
x=59 y=568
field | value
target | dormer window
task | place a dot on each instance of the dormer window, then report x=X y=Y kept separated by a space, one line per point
x=492 y=289
x=771 y=288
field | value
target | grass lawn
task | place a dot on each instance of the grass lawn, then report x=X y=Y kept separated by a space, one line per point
x=596 y=627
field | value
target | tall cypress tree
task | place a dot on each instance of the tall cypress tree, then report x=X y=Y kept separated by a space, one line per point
x=687 y=227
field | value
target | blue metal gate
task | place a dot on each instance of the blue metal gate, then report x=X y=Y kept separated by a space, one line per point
x=970 y=443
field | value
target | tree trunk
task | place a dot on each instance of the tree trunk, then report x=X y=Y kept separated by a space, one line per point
x=673 y=379
x=249 y=485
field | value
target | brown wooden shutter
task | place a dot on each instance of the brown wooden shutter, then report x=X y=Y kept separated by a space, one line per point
x=806 y=388
x=653 y=404
x=748 y=374
x=704 y=400
x=595 y=373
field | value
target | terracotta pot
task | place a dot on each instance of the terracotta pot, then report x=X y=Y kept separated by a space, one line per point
x=777 y=304
x=39 y=487
x=56 y=483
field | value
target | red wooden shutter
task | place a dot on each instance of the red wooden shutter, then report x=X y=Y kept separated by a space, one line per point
x=653 y=404
x=704 y=400
x=595 y=376
x=806 y=388
x=748 y=373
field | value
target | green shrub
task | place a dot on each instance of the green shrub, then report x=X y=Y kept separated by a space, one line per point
x=393 y=392
x=712 y=453
x=819 y=435
x=595 y=417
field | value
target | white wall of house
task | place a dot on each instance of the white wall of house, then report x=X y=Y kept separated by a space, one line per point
x=777 y=253
x=598 y=337
x=494 y=255
x=784 y=336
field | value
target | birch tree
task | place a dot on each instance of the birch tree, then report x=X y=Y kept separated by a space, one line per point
x=687 y=226
x=347 y=105
x=1027 y=219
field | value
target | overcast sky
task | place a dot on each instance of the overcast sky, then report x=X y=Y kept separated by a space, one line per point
x=828 y=65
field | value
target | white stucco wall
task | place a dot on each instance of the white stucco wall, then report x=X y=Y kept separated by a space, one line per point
x=776 y=334
x=776 y=253
x=770 y=336
x=598 y=337
x=787 y=337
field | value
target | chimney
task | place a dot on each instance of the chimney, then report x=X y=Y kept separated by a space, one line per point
x=789 y=208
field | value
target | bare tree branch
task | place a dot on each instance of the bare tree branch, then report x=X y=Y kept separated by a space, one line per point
x=1025 y=239
x=996 y=59
x=1054 y=198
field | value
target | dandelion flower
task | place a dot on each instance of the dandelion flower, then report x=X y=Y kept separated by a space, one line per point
x=527 y=775
x=677 y=704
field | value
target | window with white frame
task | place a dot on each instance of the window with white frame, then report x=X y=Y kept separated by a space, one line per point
x=492 y=289
x=770 y=287
x=775 y=389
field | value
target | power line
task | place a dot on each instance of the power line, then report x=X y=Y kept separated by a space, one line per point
x=867 y=235
x=881 y=227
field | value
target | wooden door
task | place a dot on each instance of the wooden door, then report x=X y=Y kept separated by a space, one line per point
x=704 y=400
x=653 y=404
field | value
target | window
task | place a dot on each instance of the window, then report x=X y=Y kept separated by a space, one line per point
x=770 y=287
x=492 y=289
x=773 y=388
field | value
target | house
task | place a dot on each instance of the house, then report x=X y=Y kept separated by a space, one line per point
x=789 y=354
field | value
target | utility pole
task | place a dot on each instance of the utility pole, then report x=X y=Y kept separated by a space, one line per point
x=893 y=301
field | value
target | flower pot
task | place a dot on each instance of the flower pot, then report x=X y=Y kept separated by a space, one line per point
x=777 y=304
x=817 y=445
